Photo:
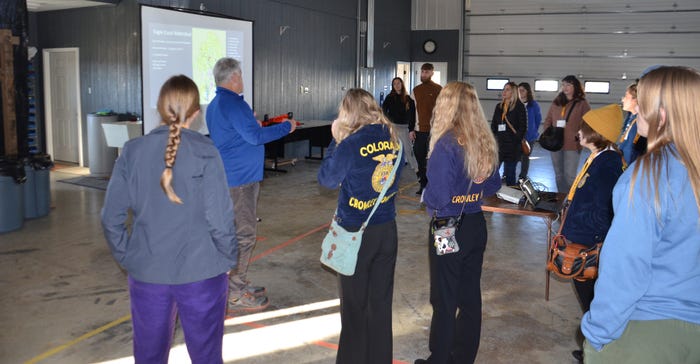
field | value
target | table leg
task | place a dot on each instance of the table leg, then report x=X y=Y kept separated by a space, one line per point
x=548 y=221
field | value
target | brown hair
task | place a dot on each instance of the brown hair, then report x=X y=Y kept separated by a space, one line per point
x=579 y=93
x=177 y=101
x=596 y=138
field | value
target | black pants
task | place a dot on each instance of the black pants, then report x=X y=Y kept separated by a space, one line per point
x=455 y=283
x=366 y=297
x=420 y=149
x=524 y=165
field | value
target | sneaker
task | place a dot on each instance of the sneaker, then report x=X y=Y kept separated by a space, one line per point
x=256 y=291
x=247 y=304
x=578 y=355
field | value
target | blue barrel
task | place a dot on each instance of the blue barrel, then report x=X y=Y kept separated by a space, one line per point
x=12 y=178
x=37 y=192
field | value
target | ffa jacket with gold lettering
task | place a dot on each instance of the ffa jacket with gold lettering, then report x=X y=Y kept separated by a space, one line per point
x=361 y=164
x=448 y=183
x=591 y=212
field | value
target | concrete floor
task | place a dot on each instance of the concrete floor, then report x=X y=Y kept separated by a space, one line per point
x=64 y=300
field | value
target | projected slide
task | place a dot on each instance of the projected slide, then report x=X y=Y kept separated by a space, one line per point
x=176 y=42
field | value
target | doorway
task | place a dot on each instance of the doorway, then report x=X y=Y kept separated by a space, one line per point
x=64 y=139
x=403 y=70
x=439 y=75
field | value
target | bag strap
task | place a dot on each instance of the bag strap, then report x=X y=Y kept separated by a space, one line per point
x=570 y=110
x=389 y=181
x=471 y=181
x=511 y=126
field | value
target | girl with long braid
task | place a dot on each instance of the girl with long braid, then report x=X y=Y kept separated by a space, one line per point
x=181 y=241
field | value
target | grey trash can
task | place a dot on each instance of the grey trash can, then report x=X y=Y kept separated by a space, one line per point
x=100 y=157
x=12 y=180
x=37 y=192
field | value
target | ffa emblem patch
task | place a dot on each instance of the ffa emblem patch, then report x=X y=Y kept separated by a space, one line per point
x=382 y=170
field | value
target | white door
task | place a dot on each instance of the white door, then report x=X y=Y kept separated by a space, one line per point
x=62 y=105
x=403 y=70
x=439 y=75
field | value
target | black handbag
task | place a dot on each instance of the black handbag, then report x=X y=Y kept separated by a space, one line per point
x=552 y=138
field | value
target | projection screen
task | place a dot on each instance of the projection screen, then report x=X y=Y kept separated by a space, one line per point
x=175 y=41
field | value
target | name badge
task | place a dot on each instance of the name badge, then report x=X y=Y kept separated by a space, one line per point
x=501 y=127
x=561 y=123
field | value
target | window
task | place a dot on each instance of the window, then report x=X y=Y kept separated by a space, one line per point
x=597 y=87
x=546 y=85
x=496 y=83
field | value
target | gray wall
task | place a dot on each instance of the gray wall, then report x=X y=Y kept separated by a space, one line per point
x=309 y=52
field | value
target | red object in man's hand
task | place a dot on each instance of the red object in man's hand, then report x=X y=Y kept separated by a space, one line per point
x=267 y=121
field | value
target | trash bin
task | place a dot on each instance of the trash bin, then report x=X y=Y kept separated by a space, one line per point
x=100 y=156
x=12 y=179
x=37 y=192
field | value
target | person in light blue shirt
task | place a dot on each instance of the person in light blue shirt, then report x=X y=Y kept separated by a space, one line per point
x=241 y=139
x=647 y=298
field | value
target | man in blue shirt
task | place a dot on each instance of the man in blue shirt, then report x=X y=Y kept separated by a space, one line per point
x=241 y=139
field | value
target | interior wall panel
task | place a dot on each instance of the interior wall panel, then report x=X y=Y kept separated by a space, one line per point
x=603 y=41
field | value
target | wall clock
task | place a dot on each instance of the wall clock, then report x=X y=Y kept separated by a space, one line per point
x=429 y=46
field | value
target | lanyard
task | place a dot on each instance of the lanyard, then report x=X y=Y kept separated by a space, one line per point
x=583 y=171
x=505 y=110
x=624 y=135
x=580 y=175
x=563 y=110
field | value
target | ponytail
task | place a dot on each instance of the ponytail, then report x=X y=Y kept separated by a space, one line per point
x=178 y=100
x=170 y=155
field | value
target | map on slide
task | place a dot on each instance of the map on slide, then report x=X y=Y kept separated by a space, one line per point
x=208 y=46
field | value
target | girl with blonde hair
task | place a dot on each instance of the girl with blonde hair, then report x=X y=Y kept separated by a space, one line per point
x=646 y=307
x=181 y=242
x=509 y=125
x=360 y=159
x=462 y=170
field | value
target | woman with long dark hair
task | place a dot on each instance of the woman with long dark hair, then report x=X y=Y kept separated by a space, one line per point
x=567 y=111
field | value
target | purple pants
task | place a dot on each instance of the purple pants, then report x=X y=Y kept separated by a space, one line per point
x=201 y=306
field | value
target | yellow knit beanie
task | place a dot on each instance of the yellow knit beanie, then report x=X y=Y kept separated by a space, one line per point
x=606 y=121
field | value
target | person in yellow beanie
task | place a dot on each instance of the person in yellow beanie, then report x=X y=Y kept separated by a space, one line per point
x=589 y=213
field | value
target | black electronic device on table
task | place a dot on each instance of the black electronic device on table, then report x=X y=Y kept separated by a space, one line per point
x=539 y=199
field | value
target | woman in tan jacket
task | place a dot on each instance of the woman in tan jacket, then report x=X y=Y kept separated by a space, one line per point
x=567 y=111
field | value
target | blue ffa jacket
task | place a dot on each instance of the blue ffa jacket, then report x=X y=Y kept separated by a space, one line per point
x=590 y=213
x=631 y=145
x=360 y=164
x=170 y=243
x=649 y=263
x=447 y=186
x=239 y=138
